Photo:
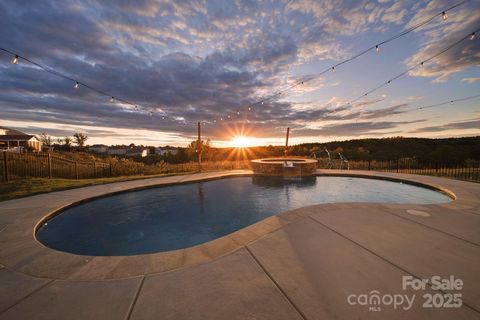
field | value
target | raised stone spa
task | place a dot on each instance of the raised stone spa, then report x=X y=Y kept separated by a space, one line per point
x=284 y=167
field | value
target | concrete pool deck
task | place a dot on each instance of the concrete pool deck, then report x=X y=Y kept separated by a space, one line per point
x=301 y=264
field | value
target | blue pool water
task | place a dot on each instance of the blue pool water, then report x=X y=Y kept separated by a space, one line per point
x=174 y=217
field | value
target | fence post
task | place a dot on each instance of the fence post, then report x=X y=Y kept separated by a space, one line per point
x=94 y=169
x=5 y=166
x=369 y=162
x=76 y=170
x=398 y=165
x=49 y=166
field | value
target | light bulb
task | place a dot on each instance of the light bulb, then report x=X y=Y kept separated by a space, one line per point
x=421 y=64
x=111 y=99
x=76 y=85
x=151 y=113
x=163 y=118
x=214 y=120
x=14 y=60
x=238 y=113
x=377 y=48
x=228 y=116
x=388 y=82
x=472 y=36
x=221 y=119
x=444 y=16
x=333 y=69
x=250 y=109
x=136 y=108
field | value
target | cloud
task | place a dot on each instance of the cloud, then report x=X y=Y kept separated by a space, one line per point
x=194 y=60
x=461 y=125
x=461 y=21
x=471 y=79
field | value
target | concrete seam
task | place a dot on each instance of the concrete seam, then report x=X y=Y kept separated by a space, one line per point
x=432 y=228
x=135 y=298
x=276 y=284
x=388 y=261
x=27 y=296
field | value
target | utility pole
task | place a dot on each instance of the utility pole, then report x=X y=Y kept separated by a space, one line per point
x=286 y=142
x=199 y=148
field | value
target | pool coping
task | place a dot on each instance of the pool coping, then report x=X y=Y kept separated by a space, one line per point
x=35 y=259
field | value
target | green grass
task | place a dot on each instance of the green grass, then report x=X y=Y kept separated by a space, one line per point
x=27 y=187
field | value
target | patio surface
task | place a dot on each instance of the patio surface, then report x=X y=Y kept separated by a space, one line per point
x=300 y=264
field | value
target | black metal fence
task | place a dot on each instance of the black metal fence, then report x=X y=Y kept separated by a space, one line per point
x=45 y=165
x=468 y=170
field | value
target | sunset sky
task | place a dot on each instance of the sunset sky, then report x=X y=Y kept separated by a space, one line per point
x=204 y=60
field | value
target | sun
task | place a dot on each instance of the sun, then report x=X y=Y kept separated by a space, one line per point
x=241 y=142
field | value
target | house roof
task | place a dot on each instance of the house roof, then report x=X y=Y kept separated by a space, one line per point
x=17 y=137
x=7 y=134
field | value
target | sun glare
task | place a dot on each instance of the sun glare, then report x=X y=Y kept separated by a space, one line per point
x=241 y=142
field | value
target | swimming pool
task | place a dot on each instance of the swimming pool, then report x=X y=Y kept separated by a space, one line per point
x=179 y=216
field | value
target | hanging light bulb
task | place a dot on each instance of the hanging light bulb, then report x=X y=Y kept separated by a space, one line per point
x=444 y=16
x=421 y=64
x=163 y=118
x=214 y=120
x=333 y=69
x=76 y=85
x=472 y=36
x=238 y=113
x=451 y=102
x=136 y=108
x=151 y=113
x=389 y=81
x=377 y=48
x=111 y=99
x=228 y=116
x=14 y=60
x=250 y=108
x=221 y=119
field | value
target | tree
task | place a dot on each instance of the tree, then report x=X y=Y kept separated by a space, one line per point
x=80 y=139
x=67 y=141
x=45 y=139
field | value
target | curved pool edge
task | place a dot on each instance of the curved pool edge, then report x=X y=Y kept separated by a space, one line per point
x=49 y=263
x=319 y=173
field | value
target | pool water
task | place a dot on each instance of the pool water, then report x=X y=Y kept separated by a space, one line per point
x=180 y=216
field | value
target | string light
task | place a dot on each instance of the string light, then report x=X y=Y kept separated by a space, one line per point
x=444 y=16
x=333 y=69
x=14 y=60
x=472 y=36
x=377 y=48
x=111 y=99
x=444 y=103
x=76 y=85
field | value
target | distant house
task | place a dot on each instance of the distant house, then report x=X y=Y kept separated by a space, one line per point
x=161 y=151
x=17 y=141
x=128 y=151
x=98 y=148
x=137 y=151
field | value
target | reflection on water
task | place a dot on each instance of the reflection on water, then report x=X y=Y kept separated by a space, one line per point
x=281 y=182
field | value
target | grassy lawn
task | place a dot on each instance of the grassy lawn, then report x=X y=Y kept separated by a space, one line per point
x=27 y=187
